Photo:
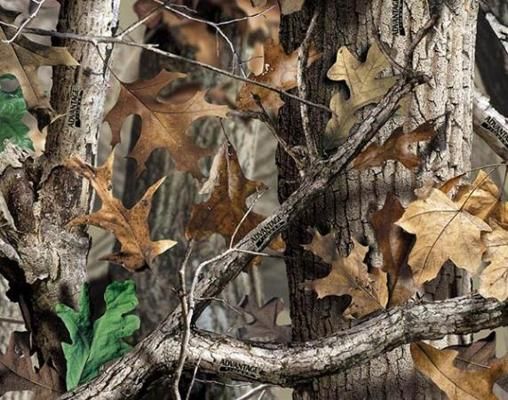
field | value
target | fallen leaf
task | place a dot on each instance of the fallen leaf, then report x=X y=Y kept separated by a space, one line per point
x=396 y=147
x=364 y=85
x=280 y=71
x=395 y=245
x=18 y=373
x=164 y=125
x=494 y=278
x=324 y=246
x=93 y=344
x=130 y=226
x=264 y=321
x=458 y=384
x=479 y=198
x=477 y=355
x=22 y=59
x=443 y=232
x=350 y=276
x=227 y=204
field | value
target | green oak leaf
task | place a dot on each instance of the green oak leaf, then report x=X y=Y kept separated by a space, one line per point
x=96 y=343
x=12 y=110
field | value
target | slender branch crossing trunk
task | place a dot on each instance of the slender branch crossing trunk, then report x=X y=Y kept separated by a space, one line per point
x=447 y=54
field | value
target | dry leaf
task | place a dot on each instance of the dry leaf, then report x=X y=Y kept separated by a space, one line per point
x=443 y=232
x=227 y=205
x=350 y=276
x=280 y=71
x=364 y=86
x=291 y=6
x=479 y=198
x=324 y=246
x=494 y=278
x=164 y=126
x=477 y=355
x=458 y=384
x=18 y=373
x=130 y=226
x=396 y=147
x=22 y=59
x=264 y=324
x=394 y=245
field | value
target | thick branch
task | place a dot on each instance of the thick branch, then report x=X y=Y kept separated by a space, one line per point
x=287 y=366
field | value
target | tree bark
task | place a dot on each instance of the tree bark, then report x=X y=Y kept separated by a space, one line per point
x=447 y=54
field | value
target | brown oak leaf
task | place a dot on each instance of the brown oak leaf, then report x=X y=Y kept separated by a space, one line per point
x=227 y=204
x=350 y=276
x=18 y=373
x=396 y=147
x=280 y=71
x=130 y=226
x=494 y=278
x=22 y=59
x=457 y=383
x=163 y=125
x=395 y=245
x=443 y=232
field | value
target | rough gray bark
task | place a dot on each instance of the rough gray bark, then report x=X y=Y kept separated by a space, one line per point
x=50 y=261
x=447 y=54
x=289 y=366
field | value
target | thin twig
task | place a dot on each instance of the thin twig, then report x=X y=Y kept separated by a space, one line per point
x=244 y=217
x=253 y=391
x=303 y=57
x=154 y=49
x=23 y=25
x=193 y=380
x=11 y=321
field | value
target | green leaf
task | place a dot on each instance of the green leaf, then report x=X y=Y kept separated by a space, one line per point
x=12 y=110
x=95 y=344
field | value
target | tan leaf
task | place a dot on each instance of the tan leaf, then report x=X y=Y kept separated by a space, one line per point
x=364 y=85
x=458 y=384
x=280 y=71
x=479 y=198
x=227 y=204
x=17 y=371
x=324 y=246
x=350 y=276
x=164 y=125
x=396 y=147
x=130 y=226
x=395 y=245
x=291 y=6
x=443 y=232
x=494 y=278
x=264 y=321
x=22 y=59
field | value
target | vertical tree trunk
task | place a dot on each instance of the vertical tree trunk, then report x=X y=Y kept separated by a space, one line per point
x=447 y=54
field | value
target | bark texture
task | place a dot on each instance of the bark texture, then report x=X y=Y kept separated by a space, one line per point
x=50 y=260
x=447 y=54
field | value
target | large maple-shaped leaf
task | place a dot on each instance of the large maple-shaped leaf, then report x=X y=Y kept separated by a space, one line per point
x=130 y=226
x=12 y=110
x=22 y=59
x=494 y=278
x=443 y=232
x=227 y=204
x=18 y=373
x=280 y=71
x=264 y=321
x=395 y=245
x=163 y=125
x=93 y=344
x=396 y=147
x=457 y=383
x=350 y=276
x=365 y=87
x=479 y=198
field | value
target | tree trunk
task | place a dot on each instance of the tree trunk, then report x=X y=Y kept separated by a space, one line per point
x=447 y=54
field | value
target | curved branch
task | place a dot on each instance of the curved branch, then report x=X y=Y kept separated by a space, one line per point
x=289 y=365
